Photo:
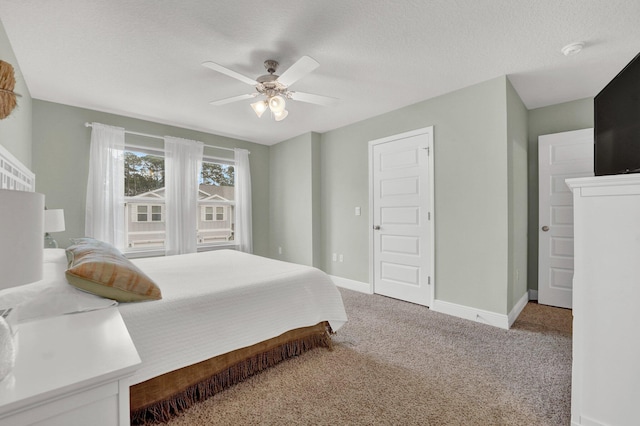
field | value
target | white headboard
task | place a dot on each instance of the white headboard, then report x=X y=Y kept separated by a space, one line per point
x=13 y=174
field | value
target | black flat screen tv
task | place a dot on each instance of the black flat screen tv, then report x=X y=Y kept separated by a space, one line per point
x=617 y=123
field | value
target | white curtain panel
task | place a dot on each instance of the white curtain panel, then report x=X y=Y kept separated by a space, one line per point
x=104 y=215
x=243 y=230
x=183 y=161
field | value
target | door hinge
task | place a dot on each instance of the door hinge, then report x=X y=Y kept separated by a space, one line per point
x=428 y=215
x=429 y=280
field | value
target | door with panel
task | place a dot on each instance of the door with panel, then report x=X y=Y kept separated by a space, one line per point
x=402 y=218
x=560 y=156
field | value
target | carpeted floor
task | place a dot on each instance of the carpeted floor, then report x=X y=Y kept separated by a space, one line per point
x=395 y=363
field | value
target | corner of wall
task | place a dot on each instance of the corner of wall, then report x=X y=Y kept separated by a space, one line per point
x=316 y=219
x=517 y=127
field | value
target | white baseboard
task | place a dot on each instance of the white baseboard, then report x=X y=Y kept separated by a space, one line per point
x=479 y=315
x=533 y=294
x=469 y=313
x=460 y=311
x=515 y=312
x=585 y=421
x=351 y=284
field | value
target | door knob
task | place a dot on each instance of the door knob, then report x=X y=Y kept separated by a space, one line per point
x=376 y=227
x=545 y=228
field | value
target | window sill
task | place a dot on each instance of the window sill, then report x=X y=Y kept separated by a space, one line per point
x=220 y=246
x=137 y=254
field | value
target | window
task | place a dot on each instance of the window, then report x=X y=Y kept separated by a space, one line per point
x=144 y=197
x=216 y=202
x=142 y=213
x=213 y=213
x=156 y=213
x=208 y=213
x=147 y=213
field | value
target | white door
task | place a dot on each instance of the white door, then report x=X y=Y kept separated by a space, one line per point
x=560 y=156
x=402 y=216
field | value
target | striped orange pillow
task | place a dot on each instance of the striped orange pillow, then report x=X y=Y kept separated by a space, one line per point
x=99 y=268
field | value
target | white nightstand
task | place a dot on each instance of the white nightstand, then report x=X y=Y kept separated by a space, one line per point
x=69 y=371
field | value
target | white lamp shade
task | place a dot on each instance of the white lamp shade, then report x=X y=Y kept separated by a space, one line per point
x=21 y=231
x=259 y=107
x=277 y=104
x=54 y=220
x=279 y=116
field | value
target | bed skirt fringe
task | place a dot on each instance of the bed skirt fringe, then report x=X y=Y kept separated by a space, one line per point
x=162 y=411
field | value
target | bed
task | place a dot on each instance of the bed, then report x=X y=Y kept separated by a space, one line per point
x=223 y=316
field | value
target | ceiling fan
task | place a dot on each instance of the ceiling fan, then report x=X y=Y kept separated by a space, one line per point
x=274 y=88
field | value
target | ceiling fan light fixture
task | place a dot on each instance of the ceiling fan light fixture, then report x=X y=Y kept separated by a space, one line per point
x=277 y=104
x=259 y=107
x=279 y=116
x=273 y=88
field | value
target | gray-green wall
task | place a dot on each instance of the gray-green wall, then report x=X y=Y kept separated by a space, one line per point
x=558 y=118
x=517 y=157
x=15 y=130
x=472 y=203
x=61 y=162
x=479 y=184
x=294 y=188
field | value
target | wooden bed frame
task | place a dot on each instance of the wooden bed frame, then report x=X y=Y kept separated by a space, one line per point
x=161 y=398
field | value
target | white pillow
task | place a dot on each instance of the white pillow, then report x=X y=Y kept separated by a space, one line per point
x=53 y=276
x=51 y=296
x=56 y=301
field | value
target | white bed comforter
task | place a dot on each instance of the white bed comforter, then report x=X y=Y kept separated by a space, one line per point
x=218 y=301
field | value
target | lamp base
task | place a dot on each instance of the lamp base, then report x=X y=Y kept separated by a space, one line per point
x=49 y=242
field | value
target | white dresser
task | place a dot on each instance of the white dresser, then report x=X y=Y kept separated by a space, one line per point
x=606 y=301
x=69 y=371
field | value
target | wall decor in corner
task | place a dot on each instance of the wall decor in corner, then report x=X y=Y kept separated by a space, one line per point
x=7 y=84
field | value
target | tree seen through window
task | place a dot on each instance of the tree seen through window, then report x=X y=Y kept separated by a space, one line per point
x=142 y=173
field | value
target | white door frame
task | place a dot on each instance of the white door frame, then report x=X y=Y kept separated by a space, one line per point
x=432 y=264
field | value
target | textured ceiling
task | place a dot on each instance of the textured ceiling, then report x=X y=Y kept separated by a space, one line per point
x=143 y=58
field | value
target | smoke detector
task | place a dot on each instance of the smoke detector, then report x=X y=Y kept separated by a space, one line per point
x=572 y=49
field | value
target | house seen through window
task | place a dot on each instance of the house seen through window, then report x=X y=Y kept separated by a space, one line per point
x=145 y=203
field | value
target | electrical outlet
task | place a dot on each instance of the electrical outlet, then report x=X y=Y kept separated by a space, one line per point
x=358 y=211
x=334 y=257
x=279 y=250
x=341 y=258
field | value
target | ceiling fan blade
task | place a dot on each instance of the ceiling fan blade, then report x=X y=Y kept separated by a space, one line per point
x=314 y=99
x=233 y=99
x=230 y=73
x=298 y=70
